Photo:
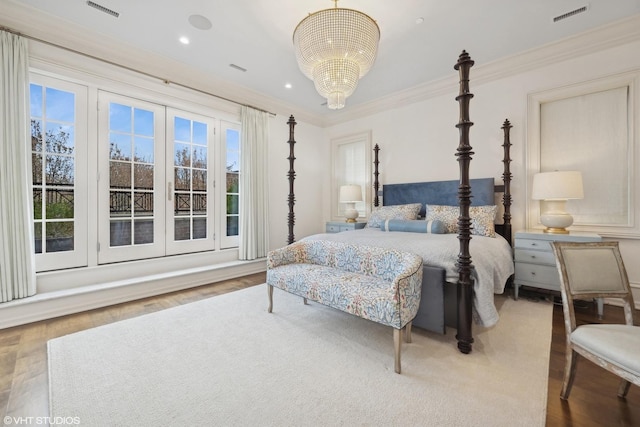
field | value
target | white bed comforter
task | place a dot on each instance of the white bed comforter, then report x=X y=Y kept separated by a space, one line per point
x=492 y=260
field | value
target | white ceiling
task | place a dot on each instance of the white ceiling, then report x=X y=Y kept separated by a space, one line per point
x=257 y=35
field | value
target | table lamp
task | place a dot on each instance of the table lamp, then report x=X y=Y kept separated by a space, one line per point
x=349 y=195
x=555 y=188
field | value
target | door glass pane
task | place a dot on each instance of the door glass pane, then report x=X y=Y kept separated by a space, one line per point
x=120 y=233
x=119 y=118
x=131 y=175
x=190 y=179
x=143 y=231
x=143 y=175
x=53 y=162
x=59 y=236
x=233 y=180
x=37 y=231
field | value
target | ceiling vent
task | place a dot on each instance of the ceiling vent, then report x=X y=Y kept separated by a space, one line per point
x=103 y=9
x=572 y=13
x=237 y=67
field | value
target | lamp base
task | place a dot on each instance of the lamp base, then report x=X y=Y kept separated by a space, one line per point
x=555 y=230
x=556 y=219
x=351 y=213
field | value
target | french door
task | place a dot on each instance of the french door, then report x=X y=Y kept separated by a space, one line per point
x=155 y=180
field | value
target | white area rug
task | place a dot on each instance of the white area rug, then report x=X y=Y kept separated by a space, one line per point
x=226 y=361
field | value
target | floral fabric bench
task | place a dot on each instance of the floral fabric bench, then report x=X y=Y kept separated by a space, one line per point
x=378 y=284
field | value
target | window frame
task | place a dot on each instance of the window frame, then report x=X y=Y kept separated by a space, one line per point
x=175 y=247
x=97 y=76
x=106 y=252
x=630 y=80
x=78 y=257
x=227 y=241
x=340 y=175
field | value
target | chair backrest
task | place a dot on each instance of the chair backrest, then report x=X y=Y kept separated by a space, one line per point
x=592 y=270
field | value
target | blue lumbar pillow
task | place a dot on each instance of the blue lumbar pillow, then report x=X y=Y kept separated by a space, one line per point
x=414 y=226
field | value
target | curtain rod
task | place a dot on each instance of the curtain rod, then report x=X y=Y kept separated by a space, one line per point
x=153 y=76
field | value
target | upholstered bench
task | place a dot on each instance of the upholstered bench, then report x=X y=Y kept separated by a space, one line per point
x=378 y=284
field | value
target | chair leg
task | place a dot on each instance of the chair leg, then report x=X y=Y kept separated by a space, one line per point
x=407 y=332
x=397 y=343
x=623 y=389
x=569 y=373
x=270 y=293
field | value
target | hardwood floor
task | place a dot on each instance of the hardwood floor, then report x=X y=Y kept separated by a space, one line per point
x=23 y=361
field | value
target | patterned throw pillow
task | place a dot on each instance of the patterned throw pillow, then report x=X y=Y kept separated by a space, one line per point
x=378 y=216
x=482 y=218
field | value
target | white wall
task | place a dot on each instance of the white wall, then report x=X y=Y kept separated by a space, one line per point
x=418 y=141
x=312 y=153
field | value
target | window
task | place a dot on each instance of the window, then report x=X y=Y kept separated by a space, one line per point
x=190 y=216
x=589 y=127
x=58 y=146
x=351 y=157
x=131 y=210
x=231 y=144
x=151 y=191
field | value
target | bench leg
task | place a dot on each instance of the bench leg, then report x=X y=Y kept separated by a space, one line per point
x=397 y=344
x=270 y=293
x=407 y=332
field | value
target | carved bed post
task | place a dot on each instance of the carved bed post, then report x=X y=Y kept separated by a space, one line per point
x=506 y=178
x=376 y=182
x=465 y=282
x=292 y=175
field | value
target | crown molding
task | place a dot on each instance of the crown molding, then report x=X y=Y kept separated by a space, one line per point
x=615 y=34
x=62 y=35
x=36 y=24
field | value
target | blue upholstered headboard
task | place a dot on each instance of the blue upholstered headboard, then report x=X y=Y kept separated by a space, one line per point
x=438 y=193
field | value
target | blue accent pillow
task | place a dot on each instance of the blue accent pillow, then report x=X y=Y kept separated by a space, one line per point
x=414 y=226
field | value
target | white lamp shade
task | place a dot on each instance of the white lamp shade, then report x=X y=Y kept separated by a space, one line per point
x=350 y=193
x=558 y=185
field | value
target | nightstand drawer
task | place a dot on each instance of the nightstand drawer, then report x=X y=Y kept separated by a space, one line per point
x=542 y=274
x=340 y=226
x=540 y=245
x=333 y=228
x=535 y=257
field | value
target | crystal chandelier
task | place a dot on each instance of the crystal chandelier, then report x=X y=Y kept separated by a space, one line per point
x=335 y=48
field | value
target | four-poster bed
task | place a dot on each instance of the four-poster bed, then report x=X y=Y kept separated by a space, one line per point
x=455 y=289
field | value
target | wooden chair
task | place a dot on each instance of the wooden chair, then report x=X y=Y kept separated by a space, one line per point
x=596 y=270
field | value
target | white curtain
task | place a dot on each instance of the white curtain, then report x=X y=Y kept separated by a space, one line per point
x=17 y=259
x=254 y=188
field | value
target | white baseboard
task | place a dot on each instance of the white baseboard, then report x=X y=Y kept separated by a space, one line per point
x=48 y=305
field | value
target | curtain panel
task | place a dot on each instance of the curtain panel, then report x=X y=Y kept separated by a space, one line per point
x=254 y=188
x=17 y=258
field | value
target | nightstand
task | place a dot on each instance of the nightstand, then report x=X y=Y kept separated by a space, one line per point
x=338 y=226
x=535 y=264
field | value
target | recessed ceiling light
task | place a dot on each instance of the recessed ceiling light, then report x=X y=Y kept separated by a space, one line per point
x=288 y=85
x=184 y=40
x=200 y=22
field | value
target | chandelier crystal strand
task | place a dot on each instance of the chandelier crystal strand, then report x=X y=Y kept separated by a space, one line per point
x=335 y=48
